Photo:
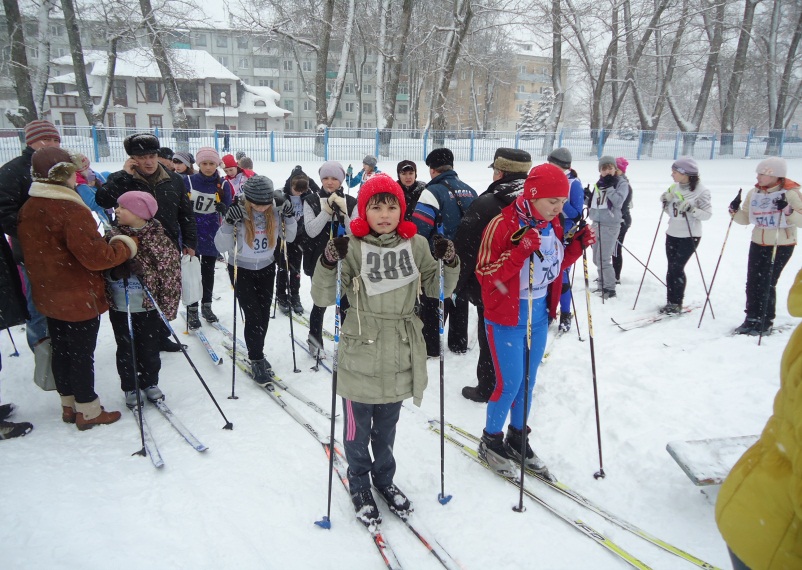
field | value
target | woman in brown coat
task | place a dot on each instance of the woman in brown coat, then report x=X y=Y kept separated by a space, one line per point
x=64 y=255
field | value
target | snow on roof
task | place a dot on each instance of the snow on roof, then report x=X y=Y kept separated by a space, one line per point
x=68 y=78
x=261 y=100
x=90 y=56
x=186 y=64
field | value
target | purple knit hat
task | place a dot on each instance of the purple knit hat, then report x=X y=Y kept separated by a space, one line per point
x=139 y=203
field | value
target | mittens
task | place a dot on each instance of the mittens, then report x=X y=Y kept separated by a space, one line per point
x=444 y=248
x=336 y=249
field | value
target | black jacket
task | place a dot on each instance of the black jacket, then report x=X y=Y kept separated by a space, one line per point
x=313 y=246
x=13 y=307
x=411 y=196
x=468 y=238
x=295 y=172
x=15 y=181
x=175 y=210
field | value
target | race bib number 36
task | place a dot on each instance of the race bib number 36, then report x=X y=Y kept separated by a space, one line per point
x=387 y=268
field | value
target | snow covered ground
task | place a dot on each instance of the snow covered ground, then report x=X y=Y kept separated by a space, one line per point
x=73 y=499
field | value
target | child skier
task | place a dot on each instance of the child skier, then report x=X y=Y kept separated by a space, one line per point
x=687 y=203
x=235 y=175
x=774 y=206
x=621 y=165
x=526 y=232
x=382 y=354
x=157 y=266
x=606 y=201
x=249 y=234
x=288 y=289
x=210 y=196
x=325 y=213
x=368 y=171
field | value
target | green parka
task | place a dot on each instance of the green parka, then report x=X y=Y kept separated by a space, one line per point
x=382 y=354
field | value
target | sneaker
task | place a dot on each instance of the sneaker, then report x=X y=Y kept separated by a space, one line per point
x=671 y=309
x=262 y=372
x=365 y=506
x=493 y=451
x=284 y=305
x=396 y=500
x=193 y=322
x=208 y=315
x=747 y=327
x=513 y=446
x=6 y=410
x=565 y=322
x=169 y=345
x=131 y=400
x=10 y=430
x=315 y=346
x=472 y=394
x=297 y=307
x=153 y=393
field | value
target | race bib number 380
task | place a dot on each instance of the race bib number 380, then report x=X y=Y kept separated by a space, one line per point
x=387 y=268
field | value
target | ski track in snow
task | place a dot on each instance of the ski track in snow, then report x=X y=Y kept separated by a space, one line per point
x=73 y=498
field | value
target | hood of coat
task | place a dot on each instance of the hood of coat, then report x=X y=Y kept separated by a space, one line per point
x=55 y=192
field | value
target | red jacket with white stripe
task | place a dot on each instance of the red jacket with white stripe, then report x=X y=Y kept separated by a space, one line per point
x=499 y=273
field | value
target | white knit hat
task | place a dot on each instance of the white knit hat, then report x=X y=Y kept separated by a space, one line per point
x=772 y=166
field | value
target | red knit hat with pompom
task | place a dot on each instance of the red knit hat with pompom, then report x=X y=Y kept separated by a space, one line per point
x=379 y=184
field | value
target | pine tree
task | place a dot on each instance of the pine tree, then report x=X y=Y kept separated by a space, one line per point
x=527 y=125
x=544 y=109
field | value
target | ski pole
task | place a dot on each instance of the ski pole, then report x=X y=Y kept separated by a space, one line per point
x=14 y=344
x=699 y=263
x=519 y=508
x=652 y=273
x=325 y=522
x=600 y=244
x=441 y=309
x=233 y=395
x=600 y=473
x=287 y=267
x=228 y=425
x=771 y=278
x=573 y=305
x=651 y=249
x=715 y=271
x=143 y=452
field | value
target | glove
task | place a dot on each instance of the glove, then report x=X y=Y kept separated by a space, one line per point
x=336 y=249
x=586 y=236
x=588 y=194
x=735 y=205
x=127 y=269
x=526 y=241
x=287 y=209
x=221 y=208
x=781 y=203
x=685 y=207
x=234 y=214
x=350 y=172
x=666 y=198
x=337 y=203
x=444 y=248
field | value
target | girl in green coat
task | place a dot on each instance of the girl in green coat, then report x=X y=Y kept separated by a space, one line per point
x=382 y=354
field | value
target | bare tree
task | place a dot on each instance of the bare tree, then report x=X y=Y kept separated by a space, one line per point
x=556 y=78
x=27 y=109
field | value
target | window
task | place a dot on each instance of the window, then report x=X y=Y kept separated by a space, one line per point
x=522 y=68
x=244 y=63
x=259 y=103
x=368 y=89
x=286 y=65
x=309 y=106
x=289 y=85
x=289 y=125
x=306 y=65
x=267 y=83
x=329 y=87
x=220 y=92
x=349 y=124
x=188 y=92
x=367 y=108
x=155 y=121
x=223 y=60
x=368 y=70
x=34 y=53
x=242 y=43
x=403 y=89
x=403 y=126
x=519 y=108
x=59 y=88
x=56 y=30
x=68 y=120
x=200 y=40
x=153 y=92
x=403 y=109
x=367 y=125
x=309 y=125
x=61 y=52
x=289 y=105
x=350 y=107
x=266 y=62
x=111 y=119
x=222 y=41
x=261 y=125
x=349 y=88
x=130 y=120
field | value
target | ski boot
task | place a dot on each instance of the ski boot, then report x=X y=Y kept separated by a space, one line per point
x=130 y=399
x=472 y=393
x=367 y=512
x=6 y=410
x=10 y=430
x=154 y=393
x=671 y=309
x=513 y=447
x=565 y=322
x=315 y=346
x=193 y=322
x=284 y=305
x=493 y=451
x=396 y=500
x=206 y=312
x=759 y=329
x=296 y=304
x=748 y=326
x=262 y=373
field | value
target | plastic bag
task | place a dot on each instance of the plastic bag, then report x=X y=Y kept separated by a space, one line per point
x=191 y=288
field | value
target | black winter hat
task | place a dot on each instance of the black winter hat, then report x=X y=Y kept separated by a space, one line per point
x=511 y=160
x=140 y=144
x=440 y=157
x=406 y=165
x=165 y=152
x=258 y=190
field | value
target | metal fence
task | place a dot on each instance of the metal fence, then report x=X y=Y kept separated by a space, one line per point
x=106 y=144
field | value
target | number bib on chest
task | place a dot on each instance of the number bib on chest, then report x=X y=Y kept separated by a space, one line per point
x=202 y=203
x=387 y=268
x=763 y=213
x=260 y=245
x=546 y=270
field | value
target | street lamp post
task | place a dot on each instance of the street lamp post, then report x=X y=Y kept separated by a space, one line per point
x=225 y=132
